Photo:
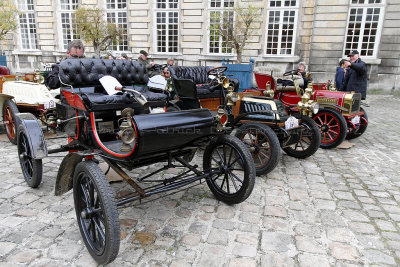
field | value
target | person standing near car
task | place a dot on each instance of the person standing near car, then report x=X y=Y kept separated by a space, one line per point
x=75 y=49
x=356 y=75
x=340 y=73
x=143 y=59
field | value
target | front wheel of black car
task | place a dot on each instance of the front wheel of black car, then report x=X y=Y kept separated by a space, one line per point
x=360 y=128
x=231 y=168
x=263 y=144
x=32 y=168
x=310 y=139
x=96 y=212
x=333 y=127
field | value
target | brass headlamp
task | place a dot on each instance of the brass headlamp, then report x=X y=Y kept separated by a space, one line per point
x=268 y=92
x=231 y=97
x=126 y=131
x=306 y=106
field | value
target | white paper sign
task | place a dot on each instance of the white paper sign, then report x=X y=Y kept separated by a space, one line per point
x=291 y=122
x=109 y=83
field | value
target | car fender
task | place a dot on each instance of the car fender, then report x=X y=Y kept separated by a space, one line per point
x=65 y=174
x=34 y=133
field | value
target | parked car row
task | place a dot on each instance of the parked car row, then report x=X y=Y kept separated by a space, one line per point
x=113 y=115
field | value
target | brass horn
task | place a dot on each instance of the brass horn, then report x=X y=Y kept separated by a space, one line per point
x=224 y=81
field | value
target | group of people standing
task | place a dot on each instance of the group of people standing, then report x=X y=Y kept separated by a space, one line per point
x=351 y=75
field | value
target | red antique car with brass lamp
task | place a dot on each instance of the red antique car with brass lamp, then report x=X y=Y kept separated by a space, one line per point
x=340 y=116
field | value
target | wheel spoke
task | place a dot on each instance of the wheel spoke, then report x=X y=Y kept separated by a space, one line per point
x=265 y=155
x=100 y=233
x=227 y=183
x=333 y=119
x=230 y=157
x=320 y=121
x=220 y=156
x=85 y=195
x=217 y=162
x=237 y=158
x=233 y=182
x=330 y=136
x=224 y=151
x=237 y=178
x=332 y=131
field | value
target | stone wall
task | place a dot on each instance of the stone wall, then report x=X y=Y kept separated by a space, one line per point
x=320 y=35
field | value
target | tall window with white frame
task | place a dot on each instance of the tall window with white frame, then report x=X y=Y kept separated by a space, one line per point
x=221 y=12
x=281 y=27
x=117 y=13
x=167 y=26
x=67 y=13
x=364 y=27
x=27 y=24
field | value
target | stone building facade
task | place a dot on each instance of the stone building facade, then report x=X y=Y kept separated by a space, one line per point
x=317 y=32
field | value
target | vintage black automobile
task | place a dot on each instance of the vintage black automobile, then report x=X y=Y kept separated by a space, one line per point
x=262 y=122
x=108 y=128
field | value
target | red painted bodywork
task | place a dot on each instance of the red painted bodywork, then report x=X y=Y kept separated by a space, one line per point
x=290 y=99
x=74 y=100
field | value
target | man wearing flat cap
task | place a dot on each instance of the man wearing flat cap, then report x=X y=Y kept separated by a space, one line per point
x=356 y=76
x=145 y=61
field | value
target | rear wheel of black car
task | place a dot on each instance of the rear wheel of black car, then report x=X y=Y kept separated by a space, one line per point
x=310 y=139
x=11 y=122
x=333 y=127
x=96 y=212
x=263 y=144
x=231 y=168
x=360 y=128
x=32 y=168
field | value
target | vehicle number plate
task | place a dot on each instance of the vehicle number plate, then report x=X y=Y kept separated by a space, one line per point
x=157 y=110
x=291 y=122
x=355 y=120
x=50 y=104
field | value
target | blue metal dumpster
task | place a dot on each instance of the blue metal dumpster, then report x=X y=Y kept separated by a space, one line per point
x=242 y=72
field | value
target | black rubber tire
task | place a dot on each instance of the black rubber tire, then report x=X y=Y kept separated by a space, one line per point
x=100 y=230
x=310 y=136
x=362 y=127
x=32 y=169
x=11 y=122
x=239 y=169
x=270 y=145
x=329 y=120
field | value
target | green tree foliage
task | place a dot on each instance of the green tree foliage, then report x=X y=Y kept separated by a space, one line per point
x=92 y=27
x=238 y=28
x=8 y=18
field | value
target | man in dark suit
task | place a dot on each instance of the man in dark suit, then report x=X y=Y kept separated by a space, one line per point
x=75 y=49
x=356 y=75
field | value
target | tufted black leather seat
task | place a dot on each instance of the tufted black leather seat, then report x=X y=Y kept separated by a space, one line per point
x=84 y=75
x=199 y=77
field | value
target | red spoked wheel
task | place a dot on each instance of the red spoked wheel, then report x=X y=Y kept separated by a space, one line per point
x=11 y=122
x=332 y=126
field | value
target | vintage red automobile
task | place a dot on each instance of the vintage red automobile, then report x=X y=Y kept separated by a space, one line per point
x=340 y=114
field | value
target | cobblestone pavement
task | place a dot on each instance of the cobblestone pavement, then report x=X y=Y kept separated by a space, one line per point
x=338 y=208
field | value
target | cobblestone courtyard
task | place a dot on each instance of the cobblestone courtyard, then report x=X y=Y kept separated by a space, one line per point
x=339 y=207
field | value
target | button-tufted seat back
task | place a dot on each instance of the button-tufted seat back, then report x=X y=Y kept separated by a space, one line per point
x=197 y=74
x=87 y=72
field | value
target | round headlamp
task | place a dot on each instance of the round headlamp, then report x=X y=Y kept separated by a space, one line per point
x=127 y=136
x=315 y=107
